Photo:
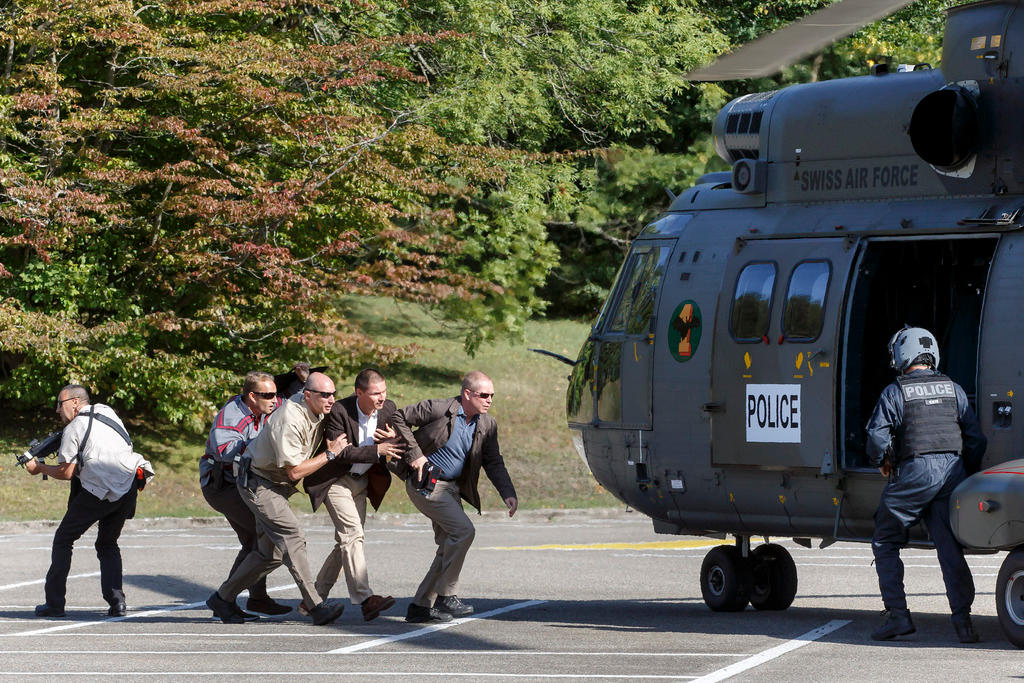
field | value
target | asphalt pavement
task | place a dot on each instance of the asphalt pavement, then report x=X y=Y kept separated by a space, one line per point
x=579 y=596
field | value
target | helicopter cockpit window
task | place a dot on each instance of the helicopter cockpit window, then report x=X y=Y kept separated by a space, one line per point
x=636 y=302
x=804 y=313
x=752 y=302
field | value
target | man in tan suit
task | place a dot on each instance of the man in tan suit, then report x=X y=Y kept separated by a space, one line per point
x=457 y=437
x=344 y=485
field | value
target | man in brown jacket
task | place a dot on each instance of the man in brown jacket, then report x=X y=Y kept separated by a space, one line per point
x=343 y=486
x=457 y=437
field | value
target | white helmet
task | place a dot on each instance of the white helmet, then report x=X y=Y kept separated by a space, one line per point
x=909 y=343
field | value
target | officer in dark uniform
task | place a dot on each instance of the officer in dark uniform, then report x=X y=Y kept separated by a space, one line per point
x=923 y=435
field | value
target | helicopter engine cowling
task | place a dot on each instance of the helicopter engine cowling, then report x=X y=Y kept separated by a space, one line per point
x=979 y=39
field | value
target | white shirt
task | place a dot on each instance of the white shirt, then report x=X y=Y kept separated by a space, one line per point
x=367 y=426
x=108 y=464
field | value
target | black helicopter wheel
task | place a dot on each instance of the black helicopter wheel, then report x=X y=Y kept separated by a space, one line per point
x=774 y=577
x=1010 y=597
x=725 y=579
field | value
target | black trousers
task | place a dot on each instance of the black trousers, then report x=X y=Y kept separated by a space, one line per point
x=921 y=490
x=227 y=501
x=84 y=510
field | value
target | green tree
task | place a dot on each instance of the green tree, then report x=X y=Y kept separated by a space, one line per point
x=188 y=185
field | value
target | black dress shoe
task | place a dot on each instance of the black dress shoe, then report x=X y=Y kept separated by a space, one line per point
x=246 y=616
x=117 y=609
x=45 y=610
x=227 y=612
x=326 y=612
x=266 y=606
x=426 y=615
x=452 y=605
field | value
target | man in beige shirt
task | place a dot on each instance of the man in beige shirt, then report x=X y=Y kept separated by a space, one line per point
x=281 y=455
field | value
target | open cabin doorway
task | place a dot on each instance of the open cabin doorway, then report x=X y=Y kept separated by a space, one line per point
x=936 y=283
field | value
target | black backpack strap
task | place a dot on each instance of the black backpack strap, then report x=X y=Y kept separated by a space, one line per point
x=116 y=427
x=107 y=421
x=85 y=440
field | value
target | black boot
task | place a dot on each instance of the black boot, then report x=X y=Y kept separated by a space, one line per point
x=965 y=629
x=896 y=623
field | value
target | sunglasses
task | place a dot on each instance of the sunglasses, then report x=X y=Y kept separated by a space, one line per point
x=69 y=398
x=483 y=394
x=322 y=394
x=264 y=394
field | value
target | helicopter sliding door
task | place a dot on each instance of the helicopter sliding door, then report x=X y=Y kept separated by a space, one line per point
x=776 y=344
x=936 y=282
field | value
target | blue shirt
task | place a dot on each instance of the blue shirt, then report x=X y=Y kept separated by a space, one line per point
x=452 y=456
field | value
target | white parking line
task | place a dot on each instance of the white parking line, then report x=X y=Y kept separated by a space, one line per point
x=194 y=635
x=83 y=624
x=43 y=580
x=772 y=653
x=133 y=615
x=407 y=675
x=401 y=653
x=435 y=627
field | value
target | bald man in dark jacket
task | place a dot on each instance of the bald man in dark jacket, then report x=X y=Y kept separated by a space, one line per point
x=456 y=437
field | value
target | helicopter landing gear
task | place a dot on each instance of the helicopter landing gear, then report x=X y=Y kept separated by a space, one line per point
x=725 y=579
x=1010 y=597
x=774 y=577
x=766 y=578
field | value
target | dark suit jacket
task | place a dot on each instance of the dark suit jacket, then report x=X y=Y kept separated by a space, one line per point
x=344 y=418
x=435 y=419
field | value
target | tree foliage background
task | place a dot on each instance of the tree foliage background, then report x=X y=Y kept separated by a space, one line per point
x=187 y=186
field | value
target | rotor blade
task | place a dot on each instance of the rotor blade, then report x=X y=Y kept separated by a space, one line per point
x=556 y=356
x=771 y=53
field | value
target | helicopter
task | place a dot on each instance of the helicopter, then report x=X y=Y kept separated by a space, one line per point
x=724 y=387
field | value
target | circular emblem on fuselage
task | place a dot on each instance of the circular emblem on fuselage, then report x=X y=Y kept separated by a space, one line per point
x=684 y=331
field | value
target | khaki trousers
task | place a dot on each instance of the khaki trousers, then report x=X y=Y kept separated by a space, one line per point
x=453 y=534
x=227 y=501
x=346 y=504
x=278 y=538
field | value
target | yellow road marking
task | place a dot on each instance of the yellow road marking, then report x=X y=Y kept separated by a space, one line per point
x=647 y=545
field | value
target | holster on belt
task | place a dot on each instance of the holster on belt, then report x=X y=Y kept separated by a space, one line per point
x=241 y=469
x=217 y=475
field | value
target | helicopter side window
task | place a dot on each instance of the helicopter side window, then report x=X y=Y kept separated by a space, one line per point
x=752 y=302
x=804 y=313
x=636 y=304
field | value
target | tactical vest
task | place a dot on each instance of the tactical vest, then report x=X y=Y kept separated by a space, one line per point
x=930 y=417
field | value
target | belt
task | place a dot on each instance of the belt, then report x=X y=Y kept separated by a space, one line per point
x=224 y=465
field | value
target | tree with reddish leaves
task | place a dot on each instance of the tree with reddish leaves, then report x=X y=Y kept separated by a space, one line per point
x=186 y=187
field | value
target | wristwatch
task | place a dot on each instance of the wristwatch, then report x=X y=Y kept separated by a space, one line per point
x=331 y=455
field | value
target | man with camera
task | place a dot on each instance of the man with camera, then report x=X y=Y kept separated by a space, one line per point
x=238 y=423
x=283 y=453
x=455 y=437
x=344 y=485
x=96 y=456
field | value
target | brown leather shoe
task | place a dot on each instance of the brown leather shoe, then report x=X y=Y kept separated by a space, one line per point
x=375 y=604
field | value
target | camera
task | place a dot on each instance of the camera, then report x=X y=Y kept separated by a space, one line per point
x=42 y=448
